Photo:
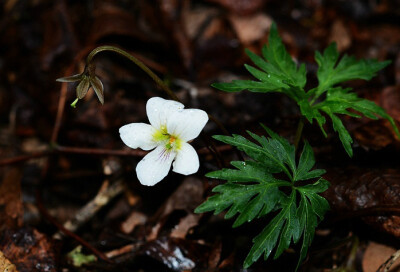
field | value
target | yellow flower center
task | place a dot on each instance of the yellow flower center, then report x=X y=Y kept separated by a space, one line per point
x=164 y=138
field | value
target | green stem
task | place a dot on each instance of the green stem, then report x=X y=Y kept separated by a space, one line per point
x=350 y=265
x=299 y=132
x=160 y=83
x=141 y=65
x=147 y=70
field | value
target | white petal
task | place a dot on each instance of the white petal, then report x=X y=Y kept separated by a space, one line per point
x=159 y=109
x=138 y=135
x=187 y=124
x=154 y=166
x=186 y=161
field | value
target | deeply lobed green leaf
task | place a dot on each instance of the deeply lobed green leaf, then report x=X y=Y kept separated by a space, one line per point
x=331 y=71
x=277 y=72
x=252 y=191
x=281 y=63
x=342 y=101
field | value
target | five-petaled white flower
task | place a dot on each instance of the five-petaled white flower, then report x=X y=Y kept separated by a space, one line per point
x=170 y=130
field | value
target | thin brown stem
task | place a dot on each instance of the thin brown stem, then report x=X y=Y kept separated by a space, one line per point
x=123 y=250
x=26 y=157
x=93 y=151
x=98 y=151
x=63 y=96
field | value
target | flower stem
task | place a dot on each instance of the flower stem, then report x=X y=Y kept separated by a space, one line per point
x=141 y=65
x=147 y=70
x=299 y=133
x=160 y=83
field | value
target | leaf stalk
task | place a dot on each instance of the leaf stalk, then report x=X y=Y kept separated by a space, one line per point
x=299 y=133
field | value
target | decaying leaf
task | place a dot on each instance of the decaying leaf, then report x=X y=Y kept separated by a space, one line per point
x=178 y=254
x=29 y=249
x=375 y=255
x=246 y=7
x=6 y=265
x=186 y=197
x=354 y=189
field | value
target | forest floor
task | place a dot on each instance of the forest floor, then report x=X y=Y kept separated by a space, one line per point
x=59 y=162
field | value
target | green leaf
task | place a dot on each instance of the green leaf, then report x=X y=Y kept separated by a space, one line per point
x=344 y=135
x=267 y=239
x=78 y=258
x=343 y=101
x=312 y=113
x=307 y=162
x=252 y=191
x=311 y=209
x=331 y=71
x=277 y=149
x=281 y=62
x=289 y=149
x=266 y=154
x=271 y=80
x=246 y=199
x=291 y=228
x=338 y=100
x=277 y=72
x=240 y=85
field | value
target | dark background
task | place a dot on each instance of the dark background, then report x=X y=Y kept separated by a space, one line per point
x=189 y=44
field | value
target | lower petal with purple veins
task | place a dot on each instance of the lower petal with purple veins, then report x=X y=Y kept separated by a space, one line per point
x=155 y=166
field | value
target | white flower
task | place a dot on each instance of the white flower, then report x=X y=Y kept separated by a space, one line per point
x=171 y=127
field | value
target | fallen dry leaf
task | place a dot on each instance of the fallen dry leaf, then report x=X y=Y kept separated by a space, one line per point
x=6 y=265
x=242 y=7
x=251 y=28
x=355 y=189
x=377 y=254
x=390 y=99
x=29 y=250
x=134 y=219
x=178 y=254
x=375 y=135
x=341 y=35
x=110 y=19
x=184 y=226
x=187 y=197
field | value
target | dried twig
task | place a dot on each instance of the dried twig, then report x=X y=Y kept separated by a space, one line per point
x=94 y=151
x=123 y=250
x=53 y=221
x=385 y=267
x=106 y=193
x=26 y=157
x=99 y=151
